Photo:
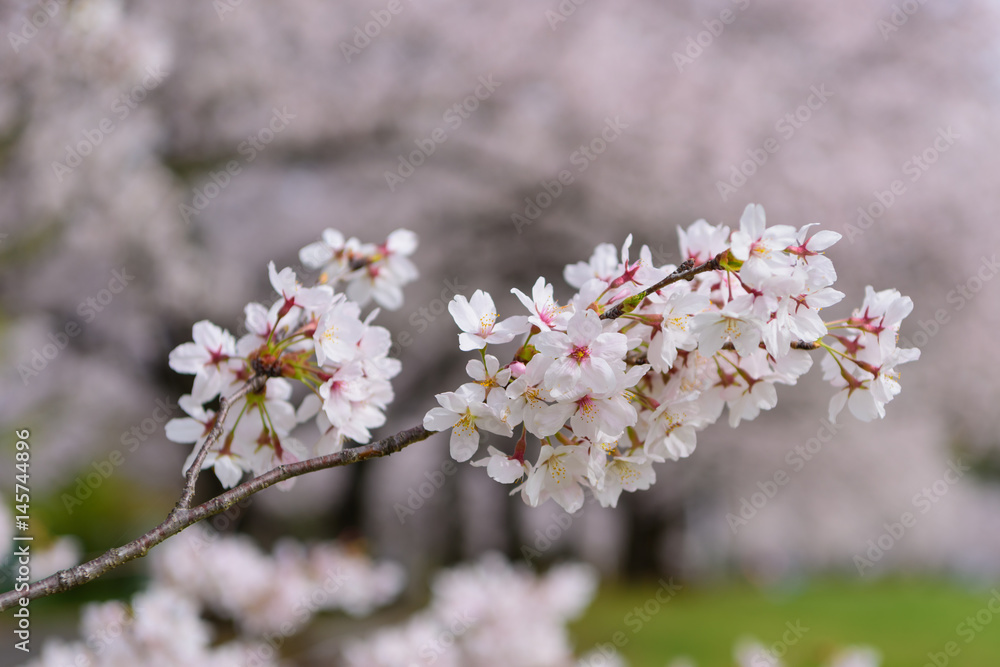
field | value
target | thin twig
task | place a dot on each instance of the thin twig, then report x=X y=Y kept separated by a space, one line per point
x=686 y=271
x=181 y=518
x=253 y=385
x=795 y=345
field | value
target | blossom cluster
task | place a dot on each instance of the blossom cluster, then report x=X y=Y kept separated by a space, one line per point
x=468 y=622
x=161 y=627
x=624 y=373
x=313 y=335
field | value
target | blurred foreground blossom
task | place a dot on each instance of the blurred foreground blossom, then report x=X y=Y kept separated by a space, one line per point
x=162 y=629
x=484 y=615
x=264 y=595
x=261 y=593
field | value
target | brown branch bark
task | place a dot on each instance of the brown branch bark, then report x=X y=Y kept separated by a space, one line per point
x=253 y=385
x=686 y=271
x=182 y=517
x=795 y=345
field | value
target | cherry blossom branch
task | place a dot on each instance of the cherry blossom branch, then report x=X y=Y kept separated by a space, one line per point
x=182 y=517
x=686 y=271
x=795 y=345
x=253 y=385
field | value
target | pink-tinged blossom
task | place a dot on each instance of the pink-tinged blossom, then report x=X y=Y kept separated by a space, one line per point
x=373 y=350
x=208 y=354
x=331 y=253
x=278 y=450
x=800 y=313
x=228 y=464
x=369 y=412
x=602 y=266
x=808 y=251
x=395 y=254
x=761 y=248
x=529 y=401
x=501 y=467
x=755 y=394
x=371 y=271
x=345 y=386
x=867 y=386
x=547 y=315
x=295 y=295
x=262 y=324
x=701 y=241
x=604 y=417
x=258 y=422
x=586 y=358
x=477 y=318
x=376 y=282
x=642 y=272
x=195 y=426
x=881 y=314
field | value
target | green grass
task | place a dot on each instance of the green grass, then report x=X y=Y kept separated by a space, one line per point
x=903 y=619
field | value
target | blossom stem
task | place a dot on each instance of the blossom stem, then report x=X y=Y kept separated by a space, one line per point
x=254 y=384
x=182 y=517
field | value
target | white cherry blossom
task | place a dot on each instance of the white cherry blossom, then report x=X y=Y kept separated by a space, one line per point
x=464 y=412
x=586 y=358
x=547 y=315
x=477 y=318
x=557 y=475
